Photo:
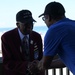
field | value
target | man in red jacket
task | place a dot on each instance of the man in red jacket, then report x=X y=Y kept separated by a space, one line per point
x=15 y=60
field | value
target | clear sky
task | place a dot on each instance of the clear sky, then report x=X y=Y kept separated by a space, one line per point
x=9 y=8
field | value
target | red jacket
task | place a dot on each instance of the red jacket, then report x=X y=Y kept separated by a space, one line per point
x=13 y=59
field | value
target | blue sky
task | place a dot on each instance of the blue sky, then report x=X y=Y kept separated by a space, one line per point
x=9 y=8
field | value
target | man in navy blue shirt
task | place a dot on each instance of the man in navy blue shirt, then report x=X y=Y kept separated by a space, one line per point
x=59 y=39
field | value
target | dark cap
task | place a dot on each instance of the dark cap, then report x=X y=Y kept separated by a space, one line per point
x=53 y=9
x=24 y=16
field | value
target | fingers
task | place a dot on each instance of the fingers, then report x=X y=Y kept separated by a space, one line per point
x=32 y=67
x=40 y=65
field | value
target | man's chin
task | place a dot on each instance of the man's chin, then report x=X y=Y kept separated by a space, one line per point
x=26 y=33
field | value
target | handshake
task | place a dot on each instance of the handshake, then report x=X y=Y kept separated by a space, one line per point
x=35 y=67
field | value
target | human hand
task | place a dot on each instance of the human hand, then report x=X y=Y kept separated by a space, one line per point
x=40 y=65
x=32 y=67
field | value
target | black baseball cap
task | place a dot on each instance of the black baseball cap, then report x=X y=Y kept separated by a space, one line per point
x=54 y=8
x=24 y=16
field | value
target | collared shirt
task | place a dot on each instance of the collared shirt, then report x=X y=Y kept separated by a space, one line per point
x=22 y=35
x=60 y=39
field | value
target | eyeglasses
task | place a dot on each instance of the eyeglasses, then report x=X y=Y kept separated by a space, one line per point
x=44 y=18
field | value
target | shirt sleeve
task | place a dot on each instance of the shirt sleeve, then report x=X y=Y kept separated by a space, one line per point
x=52 y=41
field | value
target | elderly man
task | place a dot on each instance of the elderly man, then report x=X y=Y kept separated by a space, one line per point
x=21 y=46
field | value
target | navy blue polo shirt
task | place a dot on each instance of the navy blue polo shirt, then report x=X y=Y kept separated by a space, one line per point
x=60 y=39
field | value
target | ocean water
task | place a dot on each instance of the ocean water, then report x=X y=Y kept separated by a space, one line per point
x=40 y=29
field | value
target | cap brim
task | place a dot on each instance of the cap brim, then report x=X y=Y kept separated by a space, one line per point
x=34 y=20
x=28 y=20
x=41 y=15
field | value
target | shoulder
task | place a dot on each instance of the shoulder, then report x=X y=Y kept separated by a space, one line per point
x=9 y=33
x=36 y=33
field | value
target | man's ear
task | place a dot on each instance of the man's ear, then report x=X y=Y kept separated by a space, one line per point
x=17 y=24
x=49 y=18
